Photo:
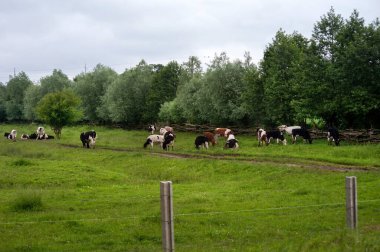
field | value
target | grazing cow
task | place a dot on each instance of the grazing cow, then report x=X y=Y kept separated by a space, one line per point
x=12 y=136
x=40 y=133
x=150 y=140
x=201 y=141
x=288 y=129
x=221 y=132
x=152 y=128
x=168 y=141
x=88 y=138
x=276 y=134
x=231 y=142
x=210 y=136
x=301 y=132
x=261 y=137
x=333 y=136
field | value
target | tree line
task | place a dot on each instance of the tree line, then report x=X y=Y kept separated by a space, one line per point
x=332 y=78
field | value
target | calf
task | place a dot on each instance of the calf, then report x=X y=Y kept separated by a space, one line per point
x=168 y=141
x=12 y=136
x=150 y=140
x=232 y=142
x=210 y=136
x=201 y=141
x=301 y=132
x=276 y=134
x=88 y=138
x=333 y=136
x=261 y=137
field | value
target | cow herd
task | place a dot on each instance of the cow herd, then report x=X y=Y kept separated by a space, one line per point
x=166 y=137
x=38 y=135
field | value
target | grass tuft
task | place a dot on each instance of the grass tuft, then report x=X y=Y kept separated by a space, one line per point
x=28 y=201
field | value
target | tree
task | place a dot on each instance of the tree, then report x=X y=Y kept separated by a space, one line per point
x=280 y=73
x=16 y=88
x=59 y=109
x=31 y=99
x=56 y=82
x=3 y=96
x=91 y=87
x=126 y=98
x=163 y=88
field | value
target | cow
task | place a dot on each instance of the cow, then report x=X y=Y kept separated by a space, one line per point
x=231 y=143
x=276 y=134
x=152 y=128
x=150 y=140
x=88 y=139
x=201 y=141
x=12 y=136
x=221 y=132
x=288 y=129
x=166 y=129
x=42 y=137
x=261 y=137
x=168 y=140
x=333 y=136
x=210 y=136
x=301 y=132
x=40 y=133
x=24 y=137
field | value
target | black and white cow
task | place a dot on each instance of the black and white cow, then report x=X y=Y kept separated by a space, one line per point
x=42 y=137
x=24 y=137
x=276 y=134
x=88 y=139
x=302 y=133
x=12 y=136
x=150 y=140
x=231 y=143
x=152 y=128
x=40 y=133
x=333 y=136
x=288 y=129
x=201 y=141
x=168 y=140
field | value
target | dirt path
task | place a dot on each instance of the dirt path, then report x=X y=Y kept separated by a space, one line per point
x=236 y=157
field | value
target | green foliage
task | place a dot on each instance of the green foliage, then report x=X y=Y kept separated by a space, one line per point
x=55 y=82
x=31 y=99
x=16 y=88
x=59 y=109
x=91 y=87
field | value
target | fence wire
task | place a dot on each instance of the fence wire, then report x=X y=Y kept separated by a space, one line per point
x=186 y=214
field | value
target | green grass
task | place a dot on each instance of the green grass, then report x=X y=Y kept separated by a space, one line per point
x=57 y=196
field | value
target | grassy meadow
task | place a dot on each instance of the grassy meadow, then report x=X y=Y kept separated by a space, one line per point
x=57 y=196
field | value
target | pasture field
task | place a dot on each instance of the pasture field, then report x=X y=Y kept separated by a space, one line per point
x=57 y=196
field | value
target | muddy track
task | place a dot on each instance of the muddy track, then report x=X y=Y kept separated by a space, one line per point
x=234 y=156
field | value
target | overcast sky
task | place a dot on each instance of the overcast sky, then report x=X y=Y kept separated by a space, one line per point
x=37 y=36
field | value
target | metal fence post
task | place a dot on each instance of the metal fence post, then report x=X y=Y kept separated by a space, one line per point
x=166 y=192
x=351 y=202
